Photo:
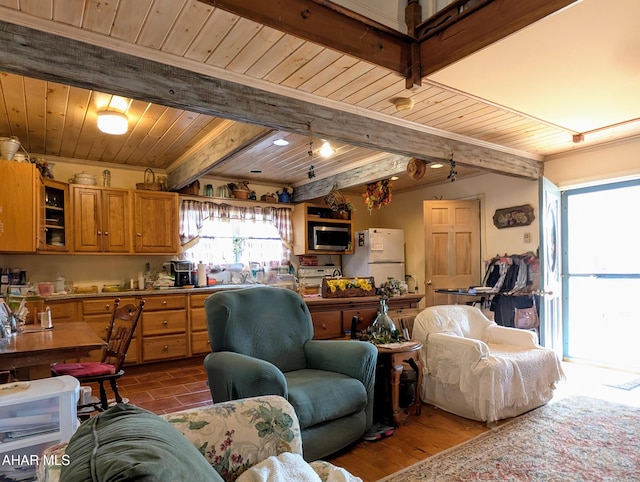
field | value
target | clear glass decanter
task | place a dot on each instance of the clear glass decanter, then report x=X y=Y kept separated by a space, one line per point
x=383 y=324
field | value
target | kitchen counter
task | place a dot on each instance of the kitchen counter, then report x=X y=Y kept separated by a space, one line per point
x=171 y=290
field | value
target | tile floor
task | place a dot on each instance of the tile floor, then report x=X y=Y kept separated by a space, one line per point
x=177 y=385
x=164 y=387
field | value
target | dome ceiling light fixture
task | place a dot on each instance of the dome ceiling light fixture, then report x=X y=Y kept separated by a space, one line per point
x=403 y=103
x=112 y=122
x=281 y=142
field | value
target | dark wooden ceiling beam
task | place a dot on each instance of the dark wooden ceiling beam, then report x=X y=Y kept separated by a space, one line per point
x=327 y=24
x=392 y=165
x=46 y=56
x=229 y=142
x=413 y=17
x=447 y=39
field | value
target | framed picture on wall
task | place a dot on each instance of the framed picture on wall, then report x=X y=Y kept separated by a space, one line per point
x=513 y=216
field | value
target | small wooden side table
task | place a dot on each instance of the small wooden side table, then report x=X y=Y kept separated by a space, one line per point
x=392 y=356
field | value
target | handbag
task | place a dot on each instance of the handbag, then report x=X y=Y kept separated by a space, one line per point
x=526 y=318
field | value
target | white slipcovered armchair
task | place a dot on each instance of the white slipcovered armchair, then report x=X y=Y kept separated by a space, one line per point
x=480 y=370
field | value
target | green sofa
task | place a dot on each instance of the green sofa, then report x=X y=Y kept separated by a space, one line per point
x=216 y=443
x=262 y=344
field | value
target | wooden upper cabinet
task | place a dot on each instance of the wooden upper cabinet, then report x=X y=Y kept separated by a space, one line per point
x=156 y=225
x=101 y=220
x=20 y=187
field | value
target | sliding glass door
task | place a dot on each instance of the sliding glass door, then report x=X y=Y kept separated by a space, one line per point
x=601 y=268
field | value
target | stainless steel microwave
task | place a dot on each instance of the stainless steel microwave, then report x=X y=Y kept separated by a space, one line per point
x=325 y=237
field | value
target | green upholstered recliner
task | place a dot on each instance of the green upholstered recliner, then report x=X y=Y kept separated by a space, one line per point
x=261 y=343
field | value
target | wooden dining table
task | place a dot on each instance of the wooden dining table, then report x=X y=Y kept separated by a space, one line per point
x=31 y=352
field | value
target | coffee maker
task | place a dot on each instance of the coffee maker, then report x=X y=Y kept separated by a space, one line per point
x=183 y=273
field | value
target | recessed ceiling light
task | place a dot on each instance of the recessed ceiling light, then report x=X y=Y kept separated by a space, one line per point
x=436 y=165
x=281 y=142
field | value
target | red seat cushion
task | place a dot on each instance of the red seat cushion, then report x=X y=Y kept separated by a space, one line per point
x=89 y=369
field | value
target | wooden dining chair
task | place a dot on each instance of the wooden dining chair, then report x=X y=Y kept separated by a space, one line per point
x=119 y=334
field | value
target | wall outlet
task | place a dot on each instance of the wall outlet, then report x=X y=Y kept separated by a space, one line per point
x=527 y=237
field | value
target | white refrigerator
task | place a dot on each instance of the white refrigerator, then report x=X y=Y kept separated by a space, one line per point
x=379 y=252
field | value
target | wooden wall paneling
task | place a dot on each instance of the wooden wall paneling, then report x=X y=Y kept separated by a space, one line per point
x=68 y=11
x=186 y=26
x=319 y=84
x=255 y=49
x=381 y=84
x=35 y=105
x=37 y=8
x=167 y=137
x=57 y=105
x=359 y=78
x=471 y=116
x=456 y=112
x=13 y=88
x=233 y=43
x=278 y=52
x=159 y=22
x=293 y=62
x=211 y=34
x=75 y=118
x=99 y=16
x=130 y=18
x=352 y=80
x=144 y=116
x=312 y=67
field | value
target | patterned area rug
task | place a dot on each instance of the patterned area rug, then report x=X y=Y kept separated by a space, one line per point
x=572 y=439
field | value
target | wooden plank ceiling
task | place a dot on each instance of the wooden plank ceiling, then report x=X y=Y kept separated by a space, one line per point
x=229 y=72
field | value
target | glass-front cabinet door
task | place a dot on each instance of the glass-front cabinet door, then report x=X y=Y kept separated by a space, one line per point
x=56 y=219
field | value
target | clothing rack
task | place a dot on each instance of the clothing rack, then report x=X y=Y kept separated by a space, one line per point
x=512 y=278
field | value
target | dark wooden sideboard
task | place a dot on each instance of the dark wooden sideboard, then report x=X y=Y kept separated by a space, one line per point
x=332 y=316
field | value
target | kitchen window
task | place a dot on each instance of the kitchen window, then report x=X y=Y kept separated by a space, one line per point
x=235 y=234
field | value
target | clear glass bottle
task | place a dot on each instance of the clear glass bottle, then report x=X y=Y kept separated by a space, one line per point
x=106 y=175
x=383 y=324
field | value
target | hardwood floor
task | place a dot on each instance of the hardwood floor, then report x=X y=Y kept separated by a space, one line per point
x=171 y=386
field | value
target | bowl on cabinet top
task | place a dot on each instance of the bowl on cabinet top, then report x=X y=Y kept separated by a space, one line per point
x=84 y=178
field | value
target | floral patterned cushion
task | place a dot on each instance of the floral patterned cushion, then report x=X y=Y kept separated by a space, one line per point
x=232 y=436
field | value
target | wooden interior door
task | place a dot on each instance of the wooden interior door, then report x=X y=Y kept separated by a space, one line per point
x=452 y=247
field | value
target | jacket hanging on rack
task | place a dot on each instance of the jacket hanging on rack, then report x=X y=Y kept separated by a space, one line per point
x=509 y=276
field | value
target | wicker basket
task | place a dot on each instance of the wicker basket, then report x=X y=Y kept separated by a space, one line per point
x=336 y=200
x=149 y=183
x=269 y=197
x=192 y=189
x=241 y=194
x=349 y=292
